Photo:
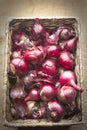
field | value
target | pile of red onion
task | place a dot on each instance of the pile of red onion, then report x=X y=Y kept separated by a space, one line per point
x=42 y=72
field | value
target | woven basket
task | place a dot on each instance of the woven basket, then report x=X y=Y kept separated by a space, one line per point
x=49 y=23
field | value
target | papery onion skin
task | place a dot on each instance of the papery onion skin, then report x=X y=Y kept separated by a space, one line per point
x=65 y=32
x=17 y=91
x=30 y=106
x=20 y=40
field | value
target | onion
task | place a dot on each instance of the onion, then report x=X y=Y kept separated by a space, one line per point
x=67 y=94
x=38 y=30
x=17 y=91
x=65 y=32
x=30 y=78
x=47 y=92
x=52 y=51
x=51 y=39
x=35 y=55
x=49 y=67
x=19 y=66
x=71 y=44
x=66 y=60
x=20 y=40
x=33 y=95
x=21 y=107
x=56 y=110
x=69 y=78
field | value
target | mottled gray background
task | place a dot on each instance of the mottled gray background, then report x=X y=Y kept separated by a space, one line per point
x=24 y=8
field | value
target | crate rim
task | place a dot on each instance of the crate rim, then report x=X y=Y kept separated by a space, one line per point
x=11 y=124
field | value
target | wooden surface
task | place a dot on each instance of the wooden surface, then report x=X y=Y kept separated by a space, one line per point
x=21 y=8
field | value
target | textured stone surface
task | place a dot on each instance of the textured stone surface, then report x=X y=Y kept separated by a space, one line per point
x=26 y=8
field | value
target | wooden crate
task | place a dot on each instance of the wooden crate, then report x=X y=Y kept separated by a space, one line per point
x=49 y=23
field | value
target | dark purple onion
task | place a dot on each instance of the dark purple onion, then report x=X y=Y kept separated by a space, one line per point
x=56 y=110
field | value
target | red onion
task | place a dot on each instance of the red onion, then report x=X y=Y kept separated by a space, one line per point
x=65 y=32
x=67 y=94
x=52 y=51
x=66 y=60
x=20 y=40
x=71 y=44
x=33 y=95
x=51 y=39
x=69 y=78
x=34 y=55
x=56 y=110
x=38 y=30
x=19 y=66
x=17 y=91
x=49 y=67
x=30 y=78
x=21 y=107
x=47 y=92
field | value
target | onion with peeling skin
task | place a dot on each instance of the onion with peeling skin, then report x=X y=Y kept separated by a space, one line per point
x=67 y=94
x=17 y=91
x=20 y=40
x=65 y=32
